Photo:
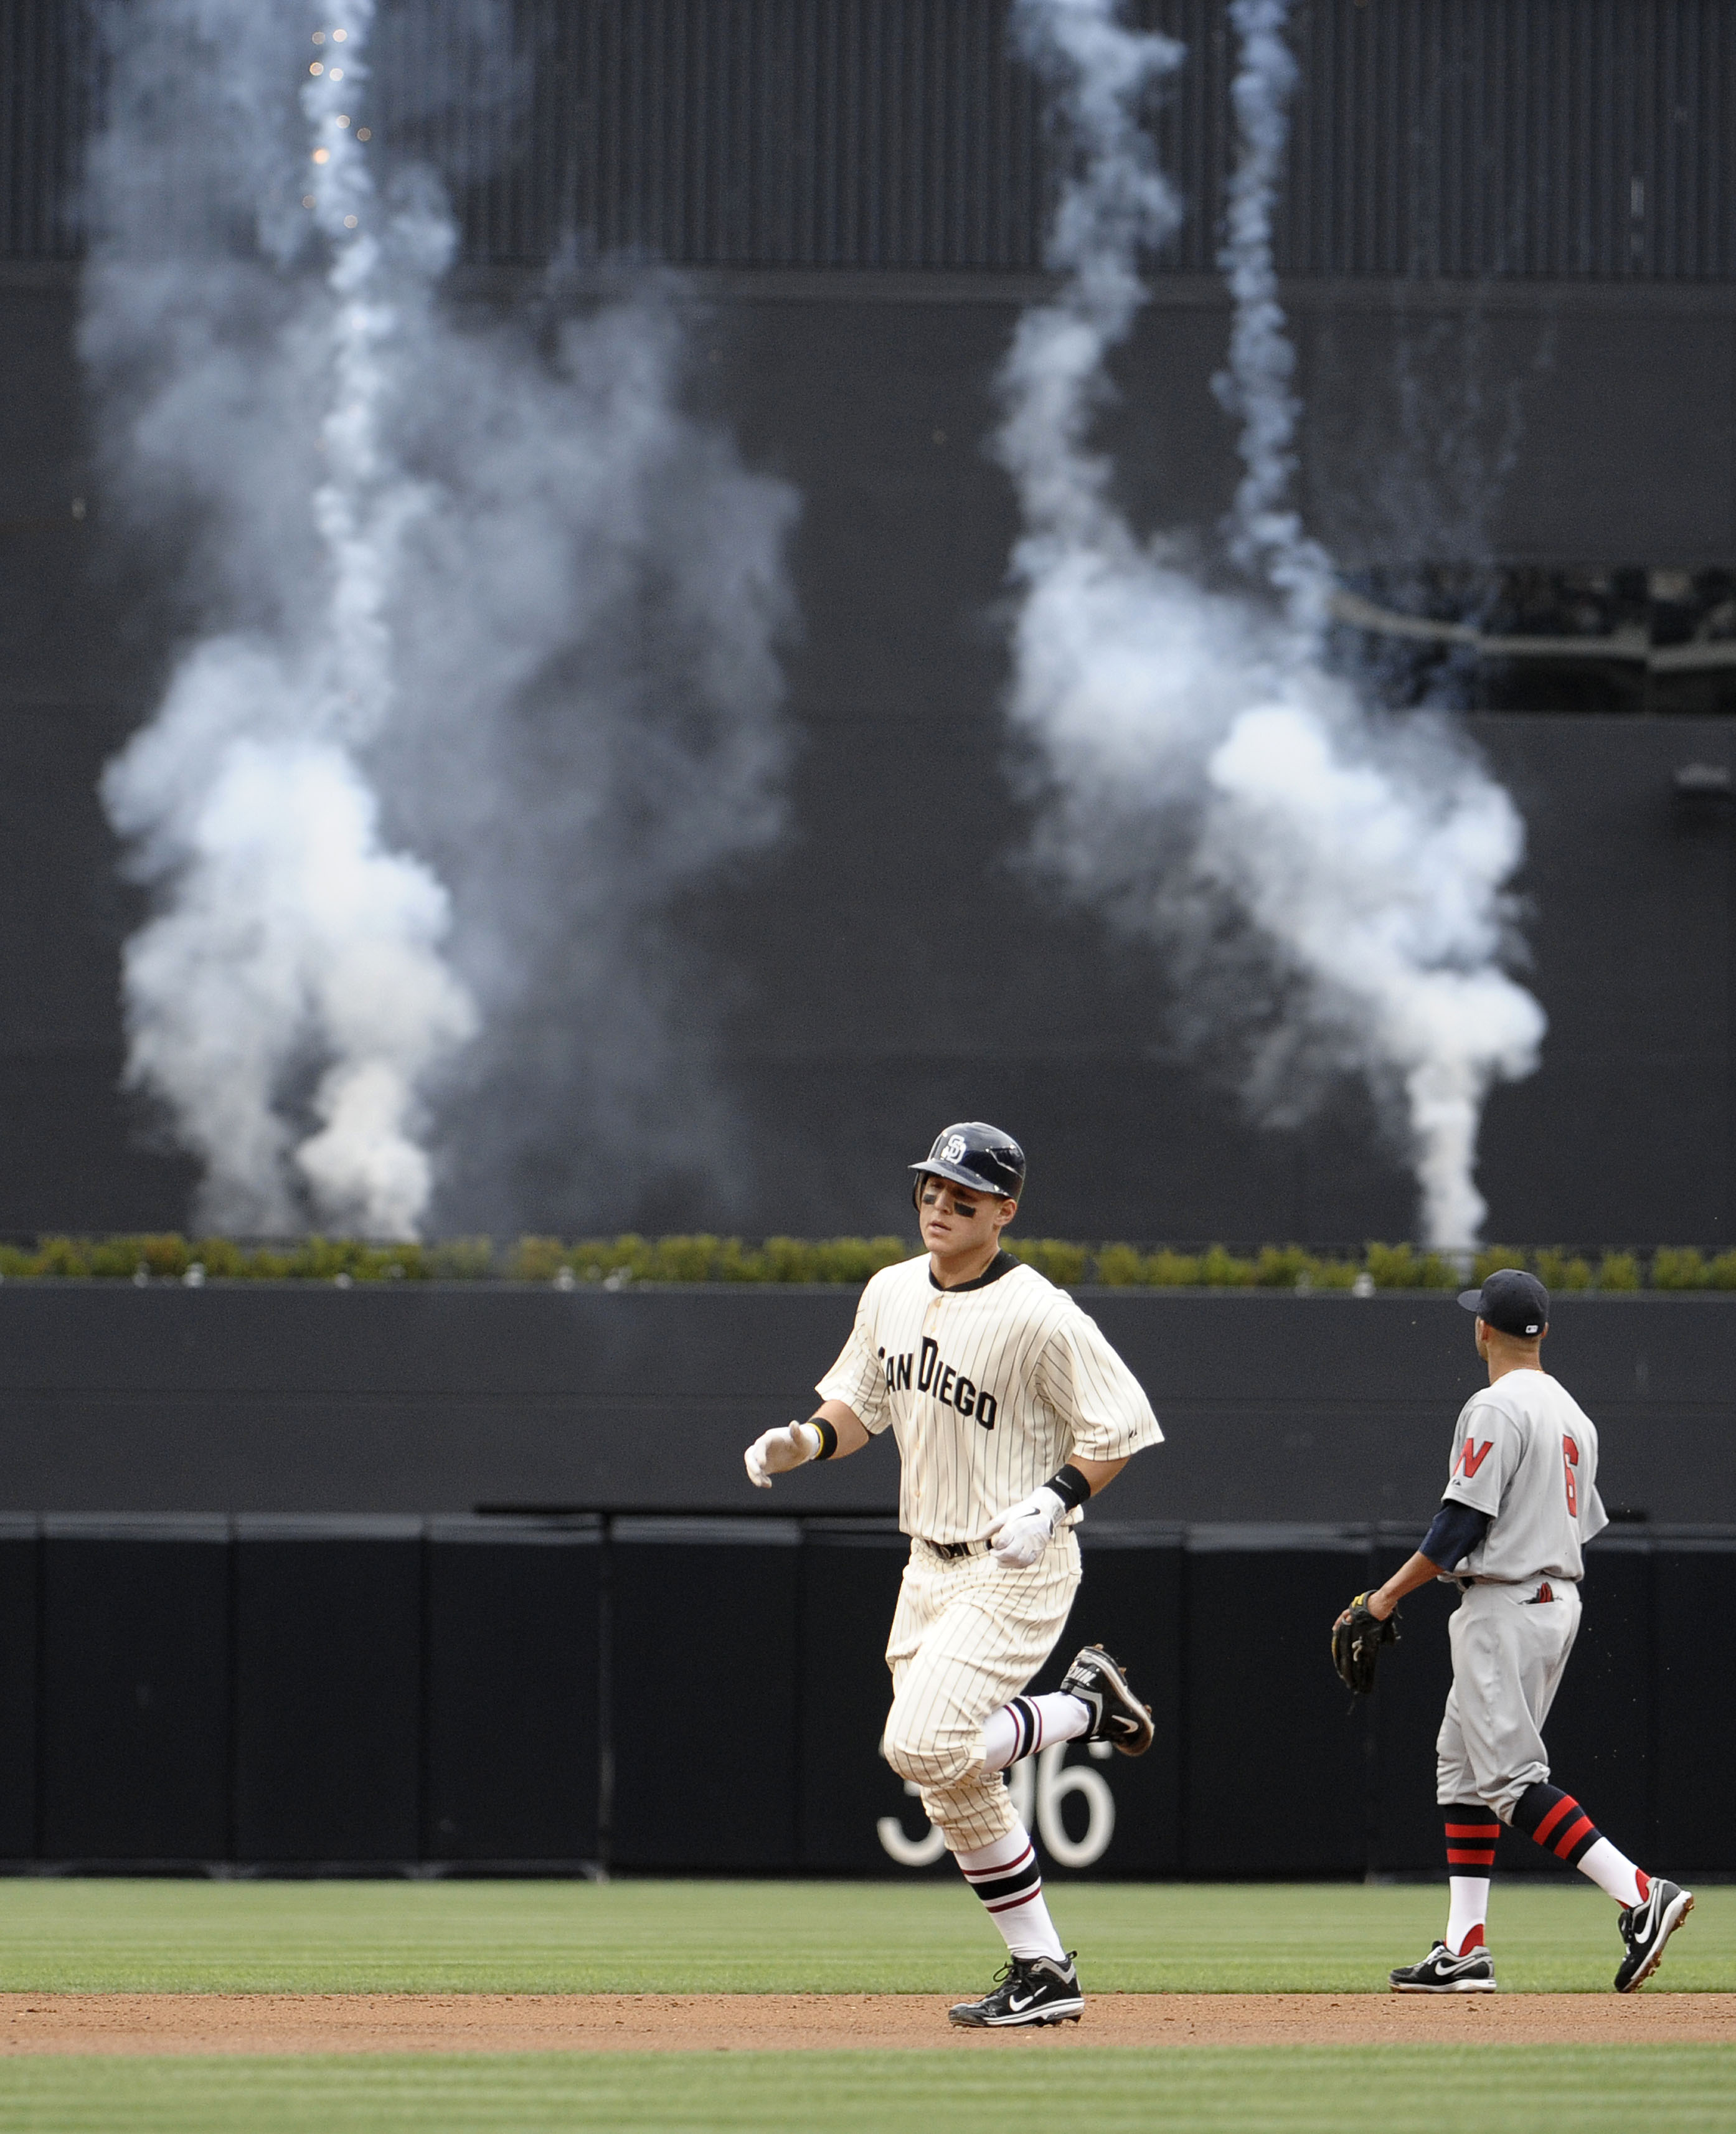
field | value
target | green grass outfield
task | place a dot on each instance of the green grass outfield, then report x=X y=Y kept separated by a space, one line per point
x=791 y=1936
x=1496 y=2089
x=767 y=1936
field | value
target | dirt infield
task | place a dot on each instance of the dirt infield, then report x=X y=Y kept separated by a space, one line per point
x=748 y=2022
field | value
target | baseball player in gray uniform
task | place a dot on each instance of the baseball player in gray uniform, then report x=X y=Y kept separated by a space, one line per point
x=1009 y=1411
x=1520 y=1501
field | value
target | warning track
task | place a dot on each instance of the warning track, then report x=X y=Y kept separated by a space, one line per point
x=230 y=2023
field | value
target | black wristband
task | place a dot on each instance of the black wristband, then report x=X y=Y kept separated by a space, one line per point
x=828 y=1436
x=1070 y=1486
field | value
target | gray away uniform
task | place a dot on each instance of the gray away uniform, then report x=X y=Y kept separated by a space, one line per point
x=1526 y=1453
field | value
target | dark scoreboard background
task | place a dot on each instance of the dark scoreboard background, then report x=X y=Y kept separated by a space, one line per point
x=1512 y=278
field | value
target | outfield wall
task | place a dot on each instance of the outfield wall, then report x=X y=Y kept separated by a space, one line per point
x=666 y=1695
x=422 y=1400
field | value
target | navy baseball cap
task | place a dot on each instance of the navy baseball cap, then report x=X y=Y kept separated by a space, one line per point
x=1511 y=1300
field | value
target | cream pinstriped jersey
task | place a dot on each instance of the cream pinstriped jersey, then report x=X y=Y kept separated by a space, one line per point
x=988 y=1390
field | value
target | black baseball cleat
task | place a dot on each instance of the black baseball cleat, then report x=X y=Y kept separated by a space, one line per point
x=1441 y=1972
x=1031 y=1989
x=1646 y=1928
x=1117 y=1715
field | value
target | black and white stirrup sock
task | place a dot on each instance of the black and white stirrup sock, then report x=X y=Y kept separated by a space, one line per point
x=1028 y=1724
x=1006 y=1876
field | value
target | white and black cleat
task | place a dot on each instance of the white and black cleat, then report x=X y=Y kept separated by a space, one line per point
x=1646 y=1928
x=1031 y=1990
x=1117 y=1715
x=1440 y=1972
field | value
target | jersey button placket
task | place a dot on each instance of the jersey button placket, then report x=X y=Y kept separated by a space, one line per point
x=930 y=1320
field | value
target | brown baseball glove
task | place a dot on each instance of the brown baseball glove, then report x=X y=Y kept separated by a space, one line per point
x=1356 y=1639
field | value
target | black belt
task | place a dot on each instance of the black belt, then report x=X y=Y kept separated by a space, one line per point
x=954 y=1548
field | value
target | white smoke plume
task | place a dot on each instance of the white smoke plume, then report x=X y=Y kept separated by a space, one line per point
x=603 y=592
x=1266 y=532
x=292 y=939
x=479 y=667
x=1332 y=882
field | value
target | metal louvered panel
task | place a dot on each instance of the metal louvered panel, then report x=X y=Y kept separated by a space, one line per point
x=1552 y=138
x=1562 y=138
x=41 y=62
x=774 y=133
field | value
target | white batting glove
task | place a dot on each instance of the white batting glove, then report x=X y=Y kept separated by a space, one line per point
x=1024 y=1530
x=778 y=1450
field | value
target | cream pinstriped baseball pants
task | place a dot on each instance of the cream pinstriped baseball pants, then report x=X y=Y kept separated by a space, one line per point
x=967 y=1634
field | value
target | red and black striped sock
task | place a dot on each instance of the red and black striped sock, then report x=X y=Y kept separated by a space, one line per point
x=1556 y=1822
x=1472 y=1833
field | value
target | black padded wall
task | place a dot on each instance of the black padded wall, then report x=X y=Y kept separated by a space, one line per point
x=1403 y=1718
x=846 y=1793
x=1693 y=1658
x=328 y=1674
x=1133 y=1602
x=135 y=1715
x=20 y=1571
x=1275 y=1781
x=682 y=1696
x=703 y=1693
x=511 y=1676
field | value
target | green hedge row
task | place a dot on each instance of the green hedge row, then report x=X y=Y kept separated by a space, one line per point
x=632 y=1258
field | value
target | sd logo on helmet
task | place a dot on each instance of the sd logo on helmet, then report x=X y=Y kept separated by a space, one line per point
x=975 y=1155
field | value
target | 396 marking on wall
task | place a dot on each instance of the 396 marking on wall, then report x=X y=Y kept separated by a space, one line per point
x=1039 y=1786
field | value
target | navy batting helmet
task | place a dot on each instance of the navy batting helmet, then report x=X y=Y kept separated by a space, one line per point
x=977 y=1156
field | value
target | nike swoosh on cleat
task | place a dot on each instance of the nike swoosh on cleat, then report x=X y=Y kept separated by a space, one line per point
x=1017 y=2006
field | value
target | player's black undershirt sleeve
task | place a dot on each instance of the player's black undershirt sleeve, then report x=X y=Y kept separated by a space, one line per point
x=1456 y=1531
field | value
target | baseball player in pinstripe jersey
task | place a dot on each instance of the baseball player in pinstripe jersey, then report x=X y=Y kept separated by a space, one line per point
x=1009 y=1410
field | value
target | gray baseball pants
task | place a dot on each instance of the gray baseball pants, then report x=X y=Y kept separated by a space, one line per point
x=1510 y=1651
